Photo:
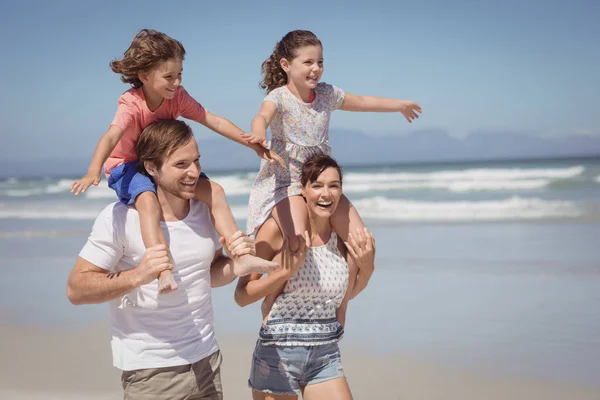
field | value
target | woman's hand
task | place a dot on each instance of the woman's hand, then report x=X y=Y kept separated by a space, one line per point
x=361 y=246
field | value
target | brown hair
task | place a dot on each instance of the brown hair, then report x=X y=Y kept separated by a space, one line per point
x=315 y=165
x=146 y=51
x=159 y=140
x=273 y=75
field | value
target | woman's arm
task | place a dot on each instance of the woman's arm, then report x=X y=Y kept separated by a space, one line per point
x=269 y=246
x=361 y=255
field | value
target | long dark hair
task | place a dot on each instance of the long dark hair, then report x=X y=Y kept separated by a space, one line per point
x=273 y=75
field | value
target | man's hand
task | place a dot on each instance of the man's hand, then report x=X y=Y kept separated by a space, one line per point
x=81 y=185
x=156 y=260
x=238 y=245
x=270 y=156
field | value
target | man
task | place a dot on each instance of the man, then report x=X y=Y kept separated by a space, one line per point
x=165 y=345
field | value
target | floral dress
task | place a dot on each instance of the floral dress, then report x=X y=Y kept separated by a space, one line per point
x=299 y=131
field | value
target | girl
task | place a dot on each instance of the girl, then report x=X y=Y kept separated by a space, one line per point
x=297 y=108
x=297 y=349
x=153 y=66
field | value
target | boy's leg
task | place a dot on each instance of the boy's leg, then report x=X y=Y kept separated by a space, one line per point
x=345 y=219
x=213 y=195
x=150 y=213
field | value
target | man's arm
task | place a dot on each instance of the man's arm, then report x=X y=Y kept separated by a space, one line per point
x=90 y=284
x=221 y=270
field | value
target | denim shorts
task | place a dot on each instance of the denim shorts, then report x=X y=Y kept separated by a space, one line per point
x=128 y=183
x=283 y=370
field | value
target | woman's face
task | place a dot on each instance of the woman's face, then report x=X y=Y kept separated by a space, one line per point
x=323 y=195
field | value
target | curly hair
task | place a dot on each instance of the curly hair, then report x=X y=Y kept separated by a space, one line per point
x=146 y=51
x=273 y=75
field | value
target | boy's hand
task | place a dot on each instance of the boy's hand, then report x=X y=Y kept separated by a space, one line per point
x=81 y=185
x=270 y=156
x=409 y=109
x=253 y=138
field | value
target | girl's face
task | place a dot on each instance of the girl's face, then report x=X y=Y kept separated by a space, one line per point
x=306 y=69
x=164 y=79
x=323 y=195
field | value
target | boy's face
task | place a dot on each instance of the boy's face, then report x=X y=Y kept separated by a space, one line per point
x=164 y=79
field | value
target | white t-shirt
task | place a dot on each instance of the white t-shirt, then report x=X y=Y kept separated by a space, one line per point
x=148 y=330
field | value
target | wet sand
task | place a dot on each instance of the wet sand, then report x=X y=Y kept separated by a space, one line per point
x=39 y=362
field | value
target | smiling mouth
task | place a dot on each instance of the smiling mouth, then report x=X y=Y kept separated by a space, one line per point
x=189 y=183
x=324 y=204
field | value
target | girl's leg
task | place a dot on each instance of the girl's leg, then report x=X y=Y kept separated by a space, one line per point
x=268 y=396
x=334 y=389
x=213 y=195
x=150 y=212
x=345 y=219
x=292 y=217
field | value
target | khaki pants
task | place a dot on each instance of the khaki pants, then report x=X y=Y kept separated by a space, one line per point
x=201 y=380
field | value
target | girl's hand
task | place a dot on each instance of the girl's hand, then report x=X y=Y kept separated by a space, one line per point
x=253 y=138
x=270 y=156
x=361 y=246
x=81 y=185
x=409 y=109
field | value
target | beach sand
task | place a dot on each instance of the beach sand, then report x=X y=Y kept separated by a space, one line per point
x=75 y=363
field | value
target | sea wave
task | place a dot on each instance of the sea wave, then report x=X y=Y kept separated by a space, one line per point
x=378 y=208
x=466 y=180
x=513 y=208
x=473 y=174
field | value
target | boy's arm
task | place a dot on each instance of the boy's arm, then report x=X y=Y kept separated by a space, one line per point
x=408 y=108
x=105 y=146
x=226 y=128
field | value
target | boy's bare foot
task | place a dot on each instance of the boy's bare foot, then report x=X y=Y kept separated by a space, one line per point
x=247 y=264
x=166 y=283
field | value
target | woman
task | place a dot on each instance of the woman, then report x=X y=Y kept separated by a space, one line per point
x=297 y=350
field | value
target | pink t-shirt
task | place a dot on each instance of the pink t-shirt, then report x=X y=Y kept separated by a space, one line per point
x=133 y=116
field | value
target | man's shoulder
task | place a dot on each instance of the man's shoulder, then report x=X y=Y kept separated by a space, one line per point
x=116 y=211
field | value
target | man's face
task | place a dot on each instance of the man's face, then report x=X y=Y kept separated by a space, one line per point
x=180 y=171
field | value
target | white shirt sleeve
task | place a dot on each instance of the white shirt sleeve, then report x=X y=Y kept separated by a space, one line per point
x=104 y=247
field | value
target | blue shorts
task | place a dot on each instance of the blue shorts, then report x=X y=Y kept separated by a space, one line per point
x=129 y=183
x=282 y=370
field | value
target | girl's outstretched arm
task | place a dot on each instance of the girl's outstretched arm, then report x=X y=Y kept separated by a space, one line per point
x=226 y=128
x=105 y=146
x=408 y=108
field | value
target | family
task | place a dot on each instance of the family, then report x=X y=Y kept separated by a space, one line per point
x=156 y=253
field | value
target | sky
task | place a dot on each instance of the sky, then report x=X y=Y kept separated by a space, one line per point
x=476 y=67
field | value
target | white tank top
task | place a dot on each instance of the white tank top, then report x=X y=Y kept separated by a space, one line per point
x=304 y=313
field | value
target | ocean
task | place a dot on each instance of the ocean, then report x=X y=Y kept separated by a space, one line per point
x=490 y=265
